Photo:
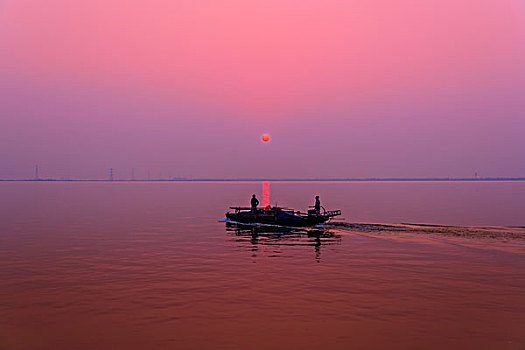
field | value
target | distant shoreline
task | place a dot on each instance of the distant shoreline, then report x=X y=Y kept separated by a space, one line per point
x=286 y=180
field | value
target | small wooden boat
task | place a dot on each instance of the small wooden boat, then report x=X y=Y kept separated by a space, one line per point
x=280 y=216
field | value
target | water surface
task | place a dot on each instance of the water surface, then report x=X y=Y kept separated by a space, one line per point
x=148 y=265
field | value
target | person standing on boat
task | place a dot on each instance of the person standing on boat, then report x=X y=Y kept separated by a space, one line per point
x=317 y=205
x=254 y=203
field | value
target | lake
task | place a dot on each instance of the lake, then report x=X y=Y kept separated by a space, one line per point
x=149 y=265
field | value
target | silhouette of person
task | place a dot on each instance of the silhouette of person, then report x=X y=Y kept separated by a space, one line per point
x=317 y=205
x=254 y=202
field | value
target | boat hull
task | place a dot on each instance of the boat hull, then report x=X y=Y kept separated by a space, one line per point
x=277 y=218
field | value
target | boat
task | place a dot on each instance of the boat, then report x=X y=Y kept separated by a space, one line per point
x=280 y=216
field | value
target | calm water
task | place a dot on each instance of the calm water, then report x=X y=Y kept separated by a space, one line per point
x=148 y=266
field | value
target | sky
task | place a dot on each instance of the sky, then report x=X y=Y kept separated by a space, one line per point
x=353 y=89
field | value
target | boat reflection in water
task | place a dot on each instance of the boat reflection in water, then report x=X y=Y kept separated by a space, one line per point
x=268 y=235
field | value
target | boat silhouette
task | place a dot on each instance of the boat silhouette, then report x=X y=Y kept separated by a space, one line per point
x=280 y=216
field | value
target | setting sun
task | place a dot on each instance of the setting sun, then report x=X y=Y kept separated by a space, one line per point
x=265 y=138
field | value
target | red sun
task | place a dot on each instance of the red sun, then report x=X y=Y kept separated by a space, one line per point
x=265 y=138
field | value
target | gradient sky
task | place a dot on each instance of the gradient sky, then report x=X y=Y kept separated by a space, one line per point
x=375 y=88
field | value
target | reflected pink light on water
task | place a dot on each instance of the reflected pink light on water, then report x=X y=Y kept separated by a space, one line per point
x=148 y=266
x=266 y=193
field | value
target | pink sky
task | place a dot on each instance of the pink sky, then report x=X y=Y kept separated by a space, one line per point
x=375 y=88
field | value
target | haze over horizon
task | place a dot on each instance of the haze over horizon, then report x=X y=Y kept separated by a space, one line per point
x=185 y=88
x=148 y=175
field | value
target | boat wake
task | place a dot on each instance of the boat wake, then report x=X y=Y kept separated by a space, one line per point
x=505 y=232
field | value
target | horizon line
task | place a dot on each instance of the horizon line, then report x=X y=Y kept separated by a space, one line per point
x=422 y=179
